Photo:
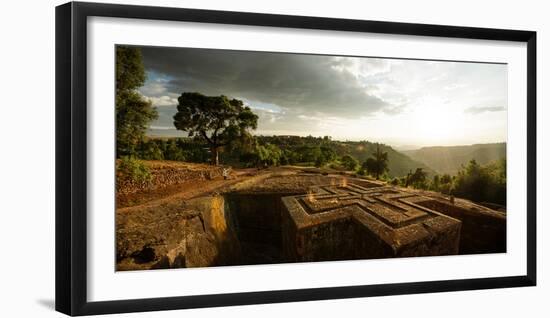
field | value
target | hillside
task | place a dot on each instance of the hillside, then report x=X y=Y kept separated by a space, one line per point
x=398 y=163
x=449 y=159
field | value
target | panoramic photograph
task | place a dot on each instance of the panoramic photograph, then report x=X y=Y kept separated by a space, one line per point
x=227 y=157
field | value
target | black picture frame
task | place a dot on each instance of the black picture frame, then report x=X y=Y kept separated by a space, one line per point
x=71 y=157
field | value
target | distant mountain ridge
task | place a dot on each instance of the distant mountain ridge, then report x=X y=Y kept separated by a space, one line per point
x=449 y=160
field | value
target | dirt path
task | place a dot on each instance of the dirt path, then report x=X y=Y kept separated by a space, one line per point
x=189 y=190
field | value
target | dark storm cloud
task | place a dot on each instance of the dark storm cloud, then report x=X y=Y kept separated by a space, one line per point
x=303 y=83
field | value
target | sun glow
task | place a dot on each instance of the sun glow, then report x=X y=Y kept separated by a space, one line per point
x=434 y=124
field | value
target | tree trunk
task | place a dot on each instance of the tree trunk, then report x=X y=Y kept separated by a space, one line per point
x=215 y=159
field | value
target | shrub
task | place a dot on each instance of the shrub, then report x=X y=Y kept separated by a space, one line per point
x=132 y=170
x=482 y=183
x=349 y=162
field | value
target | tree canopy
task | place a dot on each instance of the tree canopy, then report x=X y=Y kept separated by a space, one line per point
x=418 y=179
x=349 y=162
x=377 y=164
x=482 y=183
x=217 y=119
x=133 y=112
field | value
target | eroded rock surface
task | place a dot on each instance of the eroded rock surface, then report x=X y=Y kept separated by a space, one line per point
x=291 y=216
x=194 y=233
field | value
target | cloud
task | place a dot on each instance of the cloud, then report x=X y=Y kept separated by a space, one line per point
x=351 y=97
x=483 y=109
x=162 y=127
x=360 y=67
x=306 y=83
x=163 y=101
x=155 y=88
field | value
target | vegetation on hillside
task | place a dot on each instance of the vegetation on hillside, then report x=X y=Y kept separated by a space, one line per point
x=479 y=183
x=259 y=151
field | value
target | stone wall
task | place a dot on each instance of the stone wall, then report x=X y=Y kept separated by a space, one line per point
x=166 y=173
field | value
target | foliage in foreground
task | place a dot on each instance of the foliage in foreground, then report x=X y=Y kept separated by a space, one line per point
x=482 y=183
x=133 y=112
x=132 y=170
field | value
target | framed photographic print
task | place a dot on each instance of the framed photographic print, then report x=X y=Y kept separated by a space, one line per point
x=208 y=158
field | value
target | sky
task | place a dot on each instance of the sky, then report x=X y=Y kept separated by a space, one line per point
x=404 y=103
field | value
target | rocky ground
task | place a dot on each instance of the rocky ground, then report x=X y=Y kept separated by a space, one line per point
x=187 y=224
x=171 y=180
x=183 y=225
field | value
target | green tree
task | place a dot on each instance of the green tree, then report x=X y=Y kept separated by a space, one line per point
x=319 y=162
x=272 y=155
x=291 y=157
x=445 y=184
x=327 y=155
x=482 y=183
x=131 y=170
x=217 y=119
x=133 y=112
x=446 y=178
x=395 y=181
x=309 y=153
x=150 y=150
x=173 y=152
x=268 y=155
x=349 y=162
x=471 y=182
x=377 y=164
x=435 y=185
x=418 y=178
x=496 y=192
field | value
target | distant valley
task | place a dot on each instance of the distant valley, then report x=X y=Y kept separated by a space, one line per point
x=450 y=159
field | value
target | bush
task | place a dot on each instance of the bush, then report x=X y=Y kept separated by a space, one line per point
x=418 y=179
x=173 y=151
x=150 y=150
x=132 y=170
x=482 y=183
x=349 y=162
x=336 y=166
